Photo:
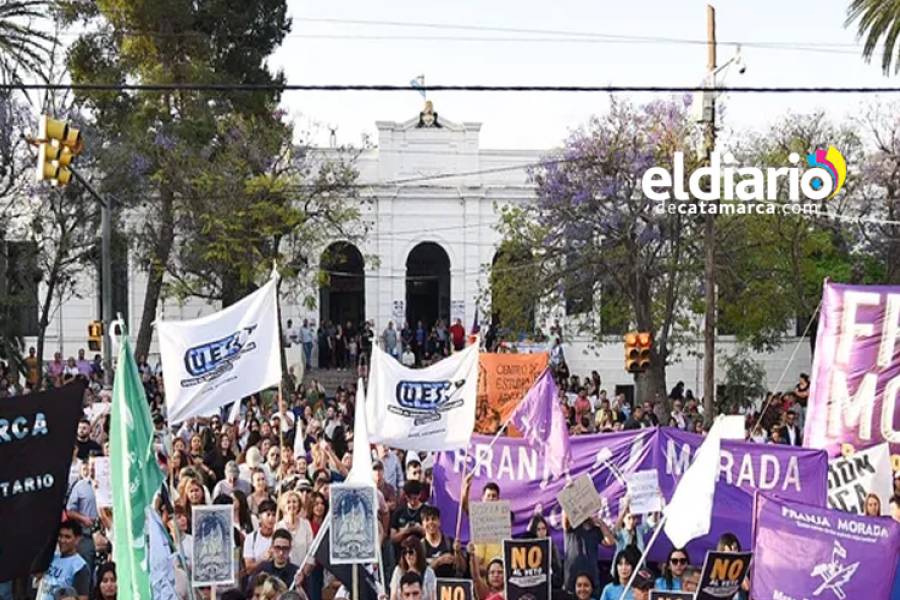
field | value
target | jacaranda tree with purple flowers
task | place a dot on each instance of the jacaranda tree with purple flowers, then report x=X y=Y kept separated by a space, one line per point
x=598 y=241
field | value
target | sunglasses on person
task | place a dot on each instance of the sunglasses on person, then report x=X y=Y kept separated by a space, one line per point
x=408 y=551
x=678 y=561
x=281 y=548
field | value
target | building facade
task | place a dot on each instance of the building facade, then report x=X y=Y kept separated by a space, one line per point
x=434 y=205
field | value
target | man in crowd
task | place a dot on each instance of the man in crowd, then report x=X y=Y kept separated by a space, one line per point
x=307 y=335
x=81 y=506
x=279 y=565
x=790 y=432
x=411 y=586
x=407 y=520
x=68 y=568
x=86 y=447
x=458 y=335
x=231 y=482
x=258 y=545
x=442 y=554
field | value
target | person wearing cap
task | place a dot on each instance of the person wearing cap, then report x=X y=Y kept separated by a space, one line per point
x=231 y=482
x=68 y=569
x=257 y=545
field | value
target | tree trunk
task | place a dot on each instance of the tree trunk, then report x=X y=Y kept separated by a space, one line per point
x=161 y=251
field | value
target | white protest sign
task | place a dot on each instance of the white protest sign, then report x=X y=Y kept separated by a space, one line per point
x=851 y=478
x=102 y=482
x=580 y=500
x=643 y=492
x=489 y=522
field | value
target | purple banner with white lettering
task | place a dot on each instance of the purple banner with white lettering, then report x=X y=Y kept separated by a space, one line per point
x=527 y=483
x=803 y=551
x=853 y=396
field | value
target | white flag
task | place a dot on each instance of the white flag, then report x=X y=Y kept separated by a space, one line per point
x=422 y=409
x=851 y=478
x=361 y=471
x=215 y=360
x=689 y=513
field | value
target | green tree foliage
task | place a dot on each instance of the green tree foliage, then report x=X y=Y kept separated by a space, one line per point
x=591 y=229
x=163 y=145
x=770 y=268
x=878 y=24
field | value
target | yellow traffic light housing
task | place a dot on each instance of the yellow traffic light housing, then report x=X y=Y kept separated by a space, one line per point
x=58 y=144
x=64 y=134
x=95 y=336
x=638 y=347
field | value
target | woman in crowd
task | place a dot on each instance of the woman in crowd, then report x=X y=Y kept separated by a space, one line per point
x=260 y=491
x=268 y=587
x=317 y=509
x=873 y=506
x=728 y=542
x=219 y=456
x=412 y=558
x=628 y=532
x=492 y=588
x=293 y=518
x=243 y=520
x=674 y=569
x=624 y=563
x=107 y=587
x=538 y=529
x=584 y=587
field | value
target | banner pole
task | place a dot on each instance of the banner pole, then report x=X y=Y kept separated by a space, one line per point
x=355 y=582
x=462 y=483
x=647 y=547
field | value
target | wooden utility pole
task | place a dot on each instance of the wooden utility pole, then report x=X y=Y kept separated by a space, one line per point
x=709 y=237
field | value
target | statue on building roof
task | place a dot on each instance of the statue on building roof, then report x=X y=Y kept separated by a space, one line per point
x=428 y=117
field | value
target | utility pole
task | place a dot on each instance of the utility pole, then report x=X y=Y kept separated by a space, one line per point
x=709 y=236
x=105 y=274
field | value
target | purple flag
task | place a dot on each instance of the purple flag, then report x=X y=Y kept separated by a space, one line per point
x=543 y=424
x=527 y=481
x=855 y=388
x=803 y=551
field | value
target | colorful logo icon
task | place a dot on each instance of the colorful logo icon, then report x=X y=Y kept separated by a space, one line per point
x=831 y=161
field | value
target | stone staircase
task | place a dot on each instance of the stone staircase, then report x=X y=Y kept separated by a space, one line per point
x=330 y=378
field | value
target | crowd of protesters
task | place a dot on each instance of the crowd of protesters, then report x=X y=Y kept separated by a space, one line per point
x=279 y=486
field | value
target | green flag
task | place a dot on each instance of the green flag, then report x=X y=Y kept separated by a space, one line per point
x=134 y=473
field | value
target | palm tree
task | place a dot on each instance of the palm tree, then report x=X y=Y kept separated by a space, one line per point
x=24 y=48
x=877 y=19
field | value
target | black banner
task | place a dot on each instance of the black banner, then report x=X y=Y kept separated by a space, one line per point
x=663 y=595
x=37 y=441
x=527 y=564
x=723 y=573
x=454 y=589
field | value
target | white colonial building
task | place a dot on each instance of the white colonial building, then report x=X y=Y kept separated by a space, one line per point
x=435 y=194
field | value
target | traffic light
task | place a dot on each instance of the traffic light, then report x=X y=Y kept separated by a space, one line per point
x=95 y=336
x=637 y=351
x=58 y=144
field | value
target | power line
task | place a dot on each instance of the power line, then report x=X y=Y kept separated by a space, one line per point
x=608 y=89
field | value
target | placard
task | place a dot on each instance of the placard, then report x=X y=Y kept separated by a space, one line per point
x=527 y=569
x=853 y=477
x=453 y=589
x=722 y=575
x=643 y=492
x=102 y=482
x=580 y=500
x=354 y=529
x=213 y=552
x=664 y=595
x=490 y=522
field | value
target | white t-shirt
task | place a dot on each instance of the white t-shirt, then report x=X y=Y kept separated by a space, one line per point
x=256 y=545
x=301 y=540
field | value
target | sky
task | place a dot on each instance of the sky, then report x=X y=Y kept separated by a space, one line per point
x=321 y=51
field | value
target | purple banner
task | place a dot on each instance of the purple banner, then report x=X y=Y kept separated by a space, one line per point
x=803 y=551
x=526 y=481
x=856 y=369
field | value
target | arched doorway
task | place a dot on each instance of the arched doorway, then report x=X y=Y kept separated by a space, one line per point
x=427 y=284
x=342 y=294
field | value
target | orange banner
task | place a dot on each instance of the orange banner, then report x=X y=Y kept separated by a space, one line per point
x=503 y=380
